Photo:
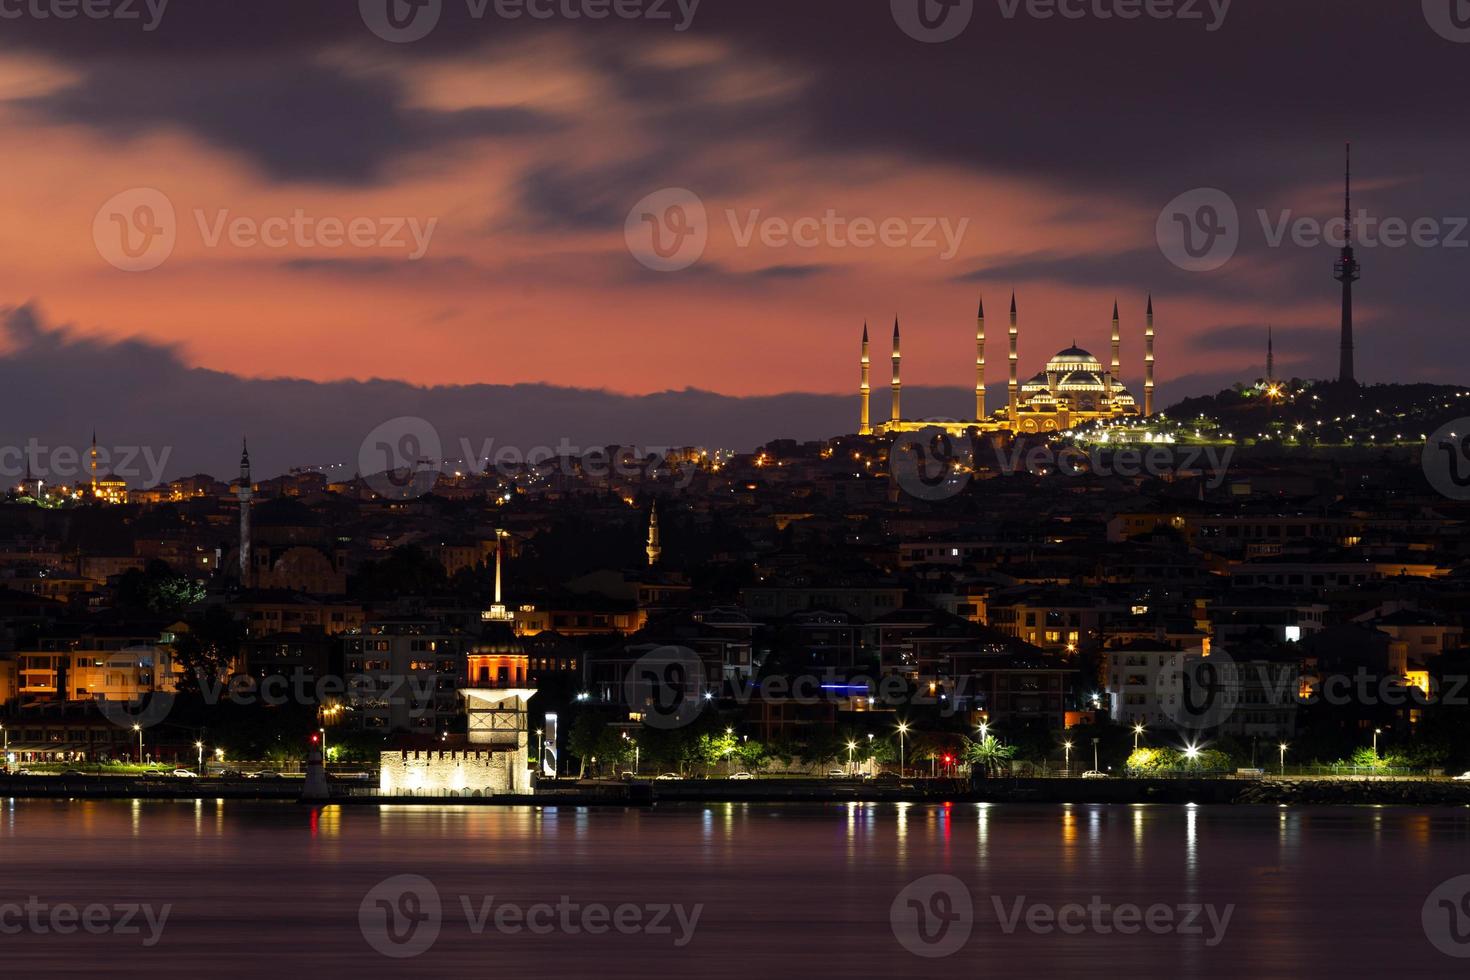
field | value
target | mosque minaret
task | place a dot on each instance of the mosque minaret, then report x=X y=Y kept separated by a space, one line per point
x=897 y=380
x=1072 y=389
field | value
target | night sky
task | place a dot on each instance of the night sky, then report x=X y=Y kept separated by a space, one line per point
x=1054 y=142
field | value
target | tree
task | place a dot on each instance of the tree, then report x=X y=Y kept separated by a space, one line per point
x=988 y=755
x=208 y=649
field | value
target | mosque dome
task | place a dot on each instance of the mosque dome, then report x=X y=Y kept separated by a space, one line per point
x=1073 y=359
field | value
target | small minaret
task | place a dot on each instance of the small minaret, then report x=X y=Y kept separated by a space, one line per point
x=1117 y=355
x=654 y=549
x=897 y=382
x=244 y=491
x=1270 y=357
x=94 y=464
x=1148 y=359
x=1347 y=272
x=980 y=362
x=865 y=392
x=1014 y=390
x=497 y=611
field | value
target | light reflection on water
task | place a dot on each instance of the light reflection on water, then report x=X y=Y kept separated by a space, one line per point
x=275 y=888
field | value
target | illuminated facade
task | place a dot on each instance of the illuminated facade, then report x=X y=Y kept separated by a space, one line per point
x=1072 y=389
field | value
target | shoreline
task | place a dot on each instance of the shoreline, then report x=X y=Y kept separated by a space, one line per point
x=1304 y=791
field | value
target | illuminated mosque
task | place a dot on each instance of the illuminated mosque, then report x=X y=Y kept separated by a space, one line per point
x=1074 y=388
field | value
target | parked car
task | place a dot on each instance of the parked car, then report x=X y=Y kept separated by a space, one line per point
x=1094 y=774
x=742 y=775
x=670 y=775
x=1463 y=777
x=229 y=774
x=835 y=774
x=185 y=774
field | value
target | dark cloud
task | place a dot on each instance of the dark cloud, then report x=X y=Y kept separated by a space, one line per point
x=155 y=399
x=293 y=121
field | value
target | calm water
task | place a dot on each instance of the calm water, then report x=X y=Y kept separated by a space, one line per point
x=278 y=890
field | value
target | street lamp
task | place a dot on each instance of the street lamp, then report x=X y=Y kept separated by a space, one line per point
x=984 y=729
x=850 y=746
x=903 y=729
x=1282 y=747
x=1095 y=767
x=323 y=732
x=139 y=730
x=1376 y=732
x=1067 y=747
x=1191 y=752
x=1137 y=731
x=200 y=747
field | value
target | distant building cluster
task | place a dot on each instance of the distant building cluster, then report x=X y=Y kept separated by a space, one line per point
x=1031 y=599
